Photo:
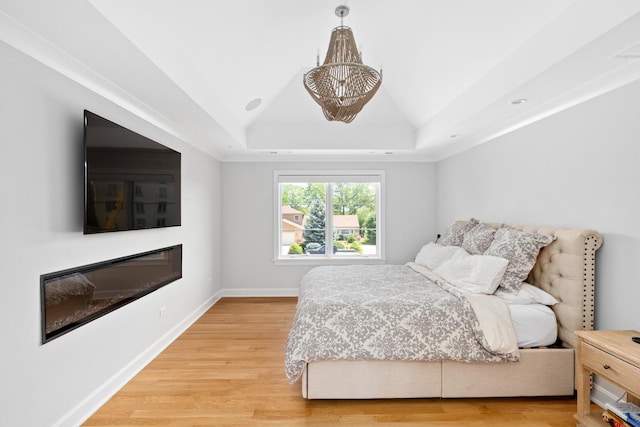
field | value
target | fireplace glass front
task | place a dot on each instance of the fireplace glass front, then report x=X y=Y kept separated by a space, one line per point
x=74 y=297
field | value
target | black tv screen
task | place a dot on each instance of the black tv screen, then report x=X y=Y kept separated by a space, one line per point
x=131 y=182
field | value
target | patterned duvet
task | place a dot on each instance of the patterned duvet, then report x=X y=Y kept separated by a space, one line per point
x=382 y=312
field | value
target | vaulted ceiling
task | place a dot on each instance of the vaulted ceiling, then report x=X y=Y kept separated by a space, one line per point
x=452 y=68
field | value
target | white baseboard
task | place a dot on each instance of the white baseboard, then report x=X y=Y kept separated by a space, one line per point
x=272 y=292
x=605 y=393
x=83 y=410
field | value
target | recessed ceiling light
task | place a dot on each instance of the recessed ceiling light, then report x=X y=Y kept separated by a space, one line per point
x=518 y=101
x=253 y=104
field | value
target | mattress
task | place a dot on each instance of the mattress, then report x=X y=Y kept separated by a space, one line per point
x=535 y=325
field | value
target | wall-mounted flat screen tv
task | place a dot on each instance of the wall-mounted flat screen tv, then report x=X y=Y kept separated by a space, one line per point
x=131 y=182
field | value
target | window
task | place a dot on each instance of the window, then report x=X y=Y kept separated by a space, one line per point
x=112 y=190
x=328 y=217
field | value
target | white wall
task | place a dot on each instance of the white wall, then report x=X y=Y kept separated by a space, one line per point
x=248 y=234
x=41 y=169
x=578 y=168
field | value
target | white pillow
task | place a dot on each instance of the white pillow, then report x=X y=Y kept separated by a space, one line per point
x=432 y=255
x=478 y=274
x=528 y=294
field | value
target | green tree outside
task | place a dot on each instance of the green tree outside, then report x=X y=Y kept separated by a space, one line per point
x=348 y=198
x=370 y=226
x=314 y=230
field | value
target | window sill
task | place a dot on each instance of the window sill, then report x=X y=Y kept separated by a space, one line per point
x=305 y=260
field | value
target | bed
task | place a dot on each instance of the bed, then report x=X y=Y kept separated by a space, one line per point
x=564 y=268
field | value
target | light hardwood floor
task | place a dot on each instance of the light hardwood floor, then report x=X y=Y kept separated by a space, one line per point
x=227 y=369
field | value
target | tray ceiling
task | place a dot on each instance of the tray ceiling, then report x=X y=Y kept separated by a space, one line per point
x=451 y=67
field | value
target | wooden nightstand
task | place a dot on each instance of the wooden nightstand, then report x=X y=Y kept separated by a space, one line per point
x=611 y=355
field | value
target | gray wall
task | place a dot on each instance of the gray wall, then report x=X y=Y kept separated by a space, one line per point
x=41 y=129
x=248 y=234
x=578 y=168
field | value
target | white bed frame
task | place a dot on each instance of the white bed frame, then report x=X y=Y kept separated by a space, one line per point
x=565 y=269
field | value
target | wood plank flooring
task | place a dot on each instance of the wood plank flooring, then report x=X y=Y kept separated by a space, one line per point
x=227 y=369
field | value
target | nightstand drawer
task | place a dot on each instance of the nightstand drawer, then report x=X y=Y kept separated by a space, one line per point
x=611 y=368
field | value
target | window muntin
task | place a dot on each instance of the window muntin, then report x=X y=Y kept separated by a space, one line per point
x=343 y=209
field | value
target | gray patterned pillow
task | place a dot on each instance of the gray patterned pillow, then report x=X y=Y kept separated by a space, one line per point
x=521 y=249
x=454 y=235
x=478 y=239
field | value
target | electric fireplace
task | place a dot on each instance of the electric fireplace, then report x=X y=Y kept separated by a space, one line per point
x=76 y=296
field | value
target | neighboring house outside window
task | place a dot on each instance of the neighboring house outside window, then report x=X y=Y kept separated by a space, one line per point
x=346 y=225
x=329 y=216
x=292 y=225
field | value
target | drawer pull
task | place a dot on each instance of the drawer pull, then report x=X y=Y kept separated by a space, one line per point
x=605 y=366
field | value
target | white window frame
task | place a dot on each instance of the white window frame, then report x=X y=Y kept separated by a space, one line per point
x=328 y=176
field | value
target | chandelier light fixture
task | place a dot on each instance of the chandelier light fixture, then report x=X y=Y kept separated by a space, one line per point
x=342 y=85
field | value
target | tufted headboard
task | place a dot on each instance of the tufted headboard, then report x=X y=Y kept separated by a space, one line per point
x=566 y=270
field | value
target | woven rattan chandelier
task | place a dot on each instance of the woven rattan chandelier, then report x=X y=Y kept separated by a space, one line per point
x=342 y=85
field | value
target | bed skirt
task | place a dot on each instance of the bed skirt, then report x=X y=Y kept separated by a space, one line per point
x=540 y=372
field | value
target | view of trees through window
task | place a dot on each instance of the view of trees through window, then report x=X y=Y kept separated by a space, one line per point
x=343 y=212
